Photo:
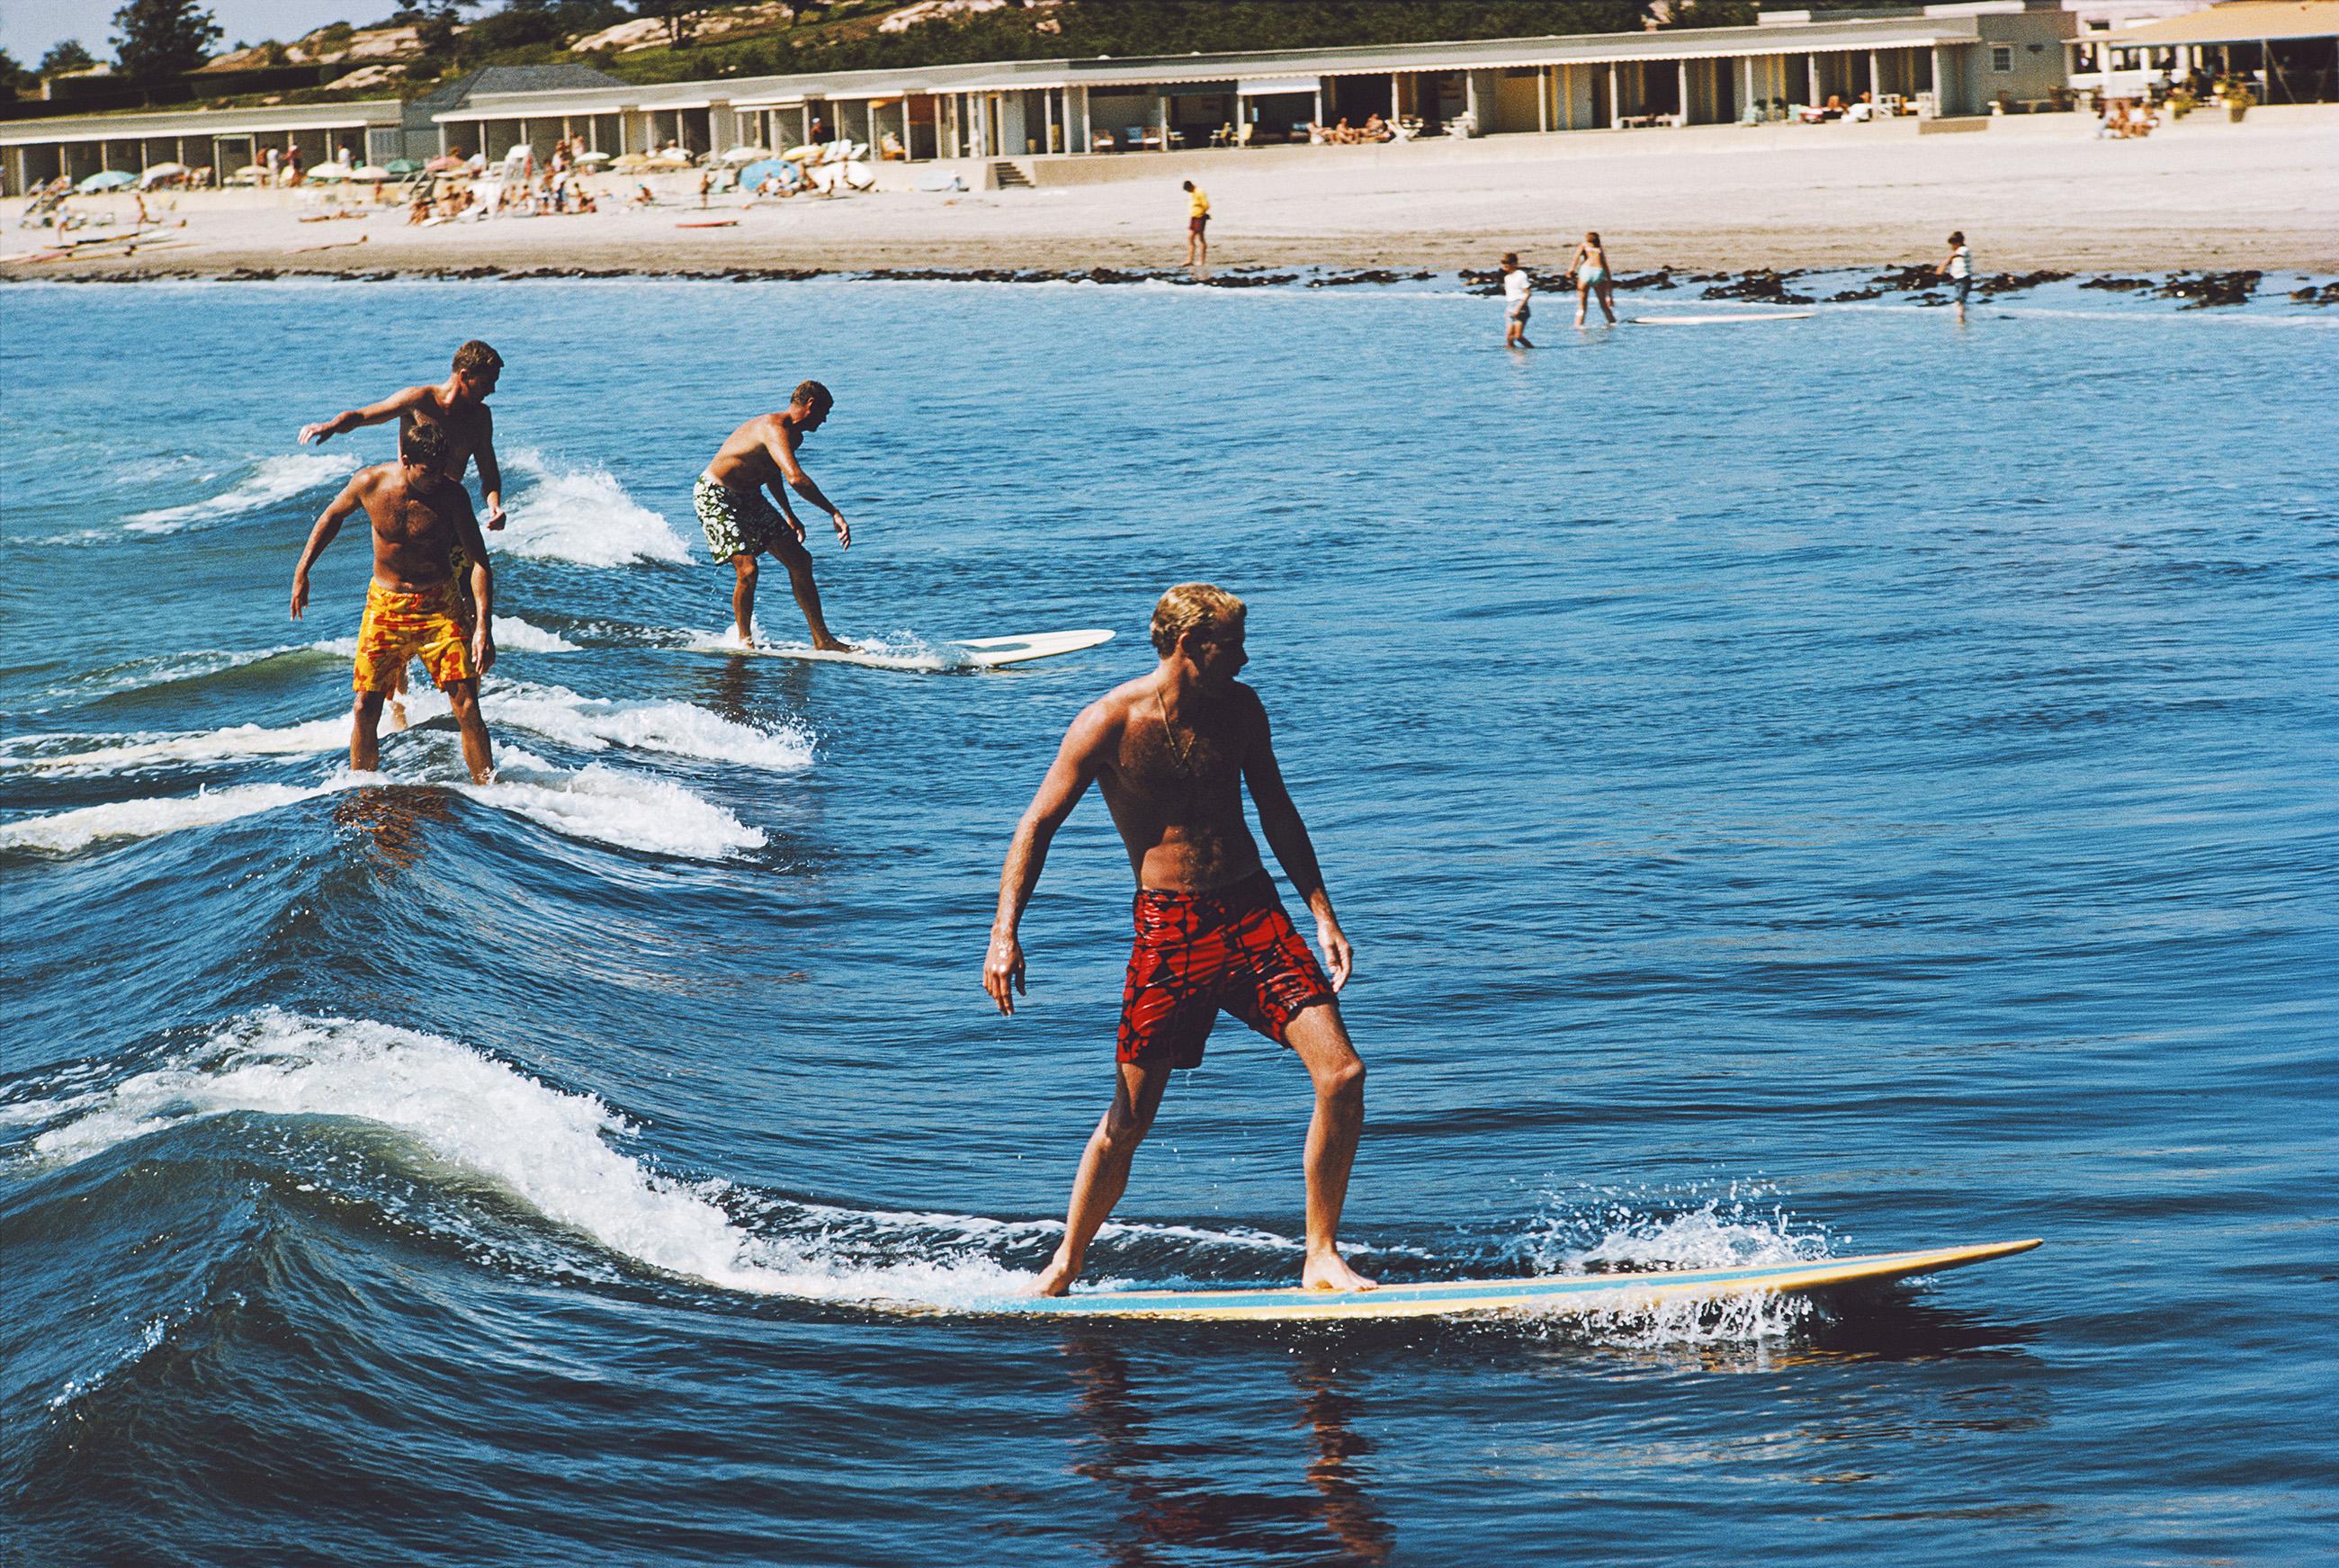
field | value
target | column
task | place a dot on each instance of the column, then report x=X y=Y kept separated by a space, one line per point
x=1682 y=115
x=1941 y=83
x=1746 y=96
x=1616 y=102
x=1543 y=97
x=1048 y=119
x=1875 y=76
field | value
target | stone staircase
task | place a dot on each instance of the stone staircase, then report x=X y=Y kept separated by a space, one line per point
x=1009 y=176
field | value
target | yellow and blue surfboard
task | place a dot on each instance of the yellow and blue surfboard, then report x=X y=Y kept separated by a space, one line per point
x=1552 y=1294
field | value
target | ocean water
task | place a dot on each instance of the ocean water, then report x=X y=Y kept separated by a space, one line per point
x=1797 y=789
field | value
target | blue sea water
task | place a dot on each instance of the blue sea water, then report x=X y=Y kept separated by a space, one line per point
x=1809 y=788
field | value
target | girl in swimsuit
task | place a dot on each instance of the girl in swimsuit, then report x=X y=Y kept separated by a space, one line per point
x=1591 y=268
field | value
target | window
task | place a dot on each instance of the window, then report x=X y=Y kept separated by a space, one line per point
x=2002 y=58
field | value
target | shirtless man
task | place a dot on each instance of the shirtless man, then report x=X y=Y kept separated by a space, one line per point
x=1173 y=751
x=419 y=517
x=458 y=405
x=740 y=525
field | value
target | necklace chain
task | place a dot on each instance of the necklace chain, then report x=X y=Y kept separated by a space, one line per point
x=1184 y=765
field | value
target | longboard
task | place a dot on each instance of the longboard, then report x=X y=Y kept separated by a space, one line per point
x=1553 y=1295
x=966 y=653
x=1720 y=319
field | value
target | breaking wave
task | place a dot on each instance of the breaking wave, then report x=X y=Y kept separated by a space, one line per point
x=582 y=514
x=271 y=480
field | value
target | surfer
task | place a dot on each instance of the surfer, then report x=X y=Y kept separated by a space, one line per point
x=741 y=525
x=1173 y=751
x=458 y=405
x=421 y=519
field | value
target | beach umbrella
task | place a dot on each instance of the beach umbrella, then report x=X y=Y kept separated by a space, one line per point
x=401 y=167
x=327 y=175
x=157 y=172
x=756 y=172
x=107 y=179
x=369 y=173
x=631 y=162
x=592 y=157
x=746 y=154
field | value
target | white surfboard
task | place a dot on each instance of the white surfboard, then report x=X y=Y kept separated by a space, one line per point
x=1718 y=318
x=962 y=654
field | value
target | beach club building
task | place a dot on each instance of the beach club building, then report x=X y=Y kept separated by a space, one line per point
x=1944 y=60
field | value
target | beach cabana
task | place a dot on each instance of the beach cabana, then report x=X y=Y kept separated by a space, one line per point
x=2290 y=48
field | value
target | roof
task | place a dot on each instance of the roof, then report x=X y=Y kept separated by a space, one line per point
x=563 y=77
x=263 y=120
x=2238 y=22
x=1948 y=24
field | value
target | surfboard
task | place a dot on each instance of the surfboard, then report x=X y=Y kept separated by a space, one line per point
x=1556 y=1295
x=965 y=653
x=1718 y=318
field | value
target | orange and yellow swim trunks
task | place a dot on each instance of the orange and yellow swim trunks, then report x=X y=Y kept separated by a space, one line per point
x=429 y=625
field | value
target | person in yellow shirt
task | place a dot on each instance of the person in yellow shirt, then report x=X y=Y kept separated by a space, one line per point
x=1197 y=223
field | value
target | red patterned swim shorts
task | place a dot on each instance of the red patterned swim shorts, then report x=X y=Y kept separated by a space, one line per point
x=1196 y=953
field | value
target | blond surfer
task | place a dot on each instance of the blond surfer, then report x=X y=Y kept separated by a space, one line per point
x=1172 y=752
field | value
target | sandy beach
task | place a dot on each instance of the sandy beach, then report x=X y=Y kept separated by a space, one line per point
x=2033 y=192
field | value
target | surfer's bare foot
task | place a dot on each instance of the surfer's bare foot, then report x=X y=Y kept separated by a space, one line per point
x=1330 y=1271
x=1057 y=1278
x=833 y=644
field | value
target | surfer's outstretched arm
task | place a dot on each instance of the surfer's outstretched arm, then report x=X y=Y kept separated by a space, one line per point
x=329 y=523
x=389 y=407
x=1287 y=836
x=1091 y=739
x=491 y=472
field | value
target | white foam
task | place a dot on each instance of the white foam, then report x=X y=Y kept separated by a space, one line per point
x=514 y=634
x=61 y=833
x=556 y=713
x=677 y=729
x=631 y=811
x=1620 y=1233
x=582 y=514
x=552 y=1149
x=272 y=480
x=150 y=749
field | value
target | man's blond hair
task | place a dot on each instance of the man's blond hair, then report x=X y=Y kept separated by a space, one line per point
x=1190 y=607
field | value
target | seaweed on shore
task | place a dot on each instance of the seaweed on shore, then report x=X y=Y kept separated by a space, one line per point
x=1383 y=275
x=2209 y=289
x=1849 y=296
x=2014 y=282
x=2327 y=295
x=1663 y=278
x=1907 y=278
x=1763 y=284
x=2117 y=285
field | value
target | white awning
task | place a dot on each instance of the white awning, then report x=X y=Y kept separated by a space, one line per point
x=1259 y=87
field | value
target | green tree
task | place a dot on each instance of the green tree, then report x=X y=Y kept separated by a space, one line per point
x=63 y=59
x=12 y=77
x=160 y=39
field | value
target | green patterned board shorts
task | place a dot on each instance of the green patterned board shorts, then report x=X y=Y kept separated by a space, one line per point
x=737 y=522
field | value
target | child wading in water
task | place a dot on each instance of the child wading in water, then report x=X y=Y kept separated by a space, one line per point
x=1516 y=285
x=1959 y=270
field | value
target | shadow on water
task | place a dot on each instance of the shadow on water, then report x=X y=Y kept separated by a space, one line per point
x=1175 y=1497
